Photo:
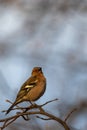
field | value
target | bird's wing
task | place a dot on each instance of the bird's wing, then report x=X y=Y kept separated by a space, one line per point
x=26 y=87
x=30 y=83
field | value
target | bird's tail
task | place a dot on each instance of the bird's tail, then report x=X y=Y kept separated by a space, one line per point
x=10 y=108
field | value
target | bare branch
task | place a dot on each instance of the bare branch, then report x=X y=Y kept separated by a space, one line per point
x=67 y=117
x=40 y=111
x=43 y=118
x=48 y=102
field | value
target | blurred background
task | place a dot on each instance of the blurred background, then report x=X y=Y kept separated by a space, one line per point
x=51 y=34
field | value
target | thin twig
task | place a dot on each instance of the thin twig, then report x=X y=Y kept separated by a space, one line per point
x=43 y=118
x=10 y=122
x=67 y=117
x=48 y=102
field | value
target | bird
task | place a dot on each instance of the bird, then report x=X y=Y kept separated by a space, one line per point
x=32 y=89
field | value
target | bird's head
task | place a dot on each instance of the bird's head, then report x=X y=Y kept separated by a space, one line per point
x=36 y=71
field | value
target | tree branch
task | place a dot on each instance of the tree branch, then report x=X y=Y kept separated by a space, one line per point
x=27 y=111
x=67 y=117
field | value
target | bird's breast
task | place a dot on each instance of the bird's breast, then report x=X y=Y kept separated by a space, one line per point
x=36 y=92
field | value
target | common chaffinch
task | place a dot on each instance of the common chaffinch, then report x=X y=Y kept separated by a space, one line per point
x=32 y=89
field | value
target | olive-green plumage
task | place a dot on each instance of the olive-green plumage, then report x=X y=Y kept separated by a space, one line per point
x=32 y=89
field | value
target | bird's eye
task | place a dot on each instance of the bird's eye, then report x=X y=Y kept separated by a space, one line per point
x=40 y=69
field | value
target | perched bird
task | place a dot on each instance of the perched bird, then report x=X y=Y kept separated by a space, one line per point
x=32 y=89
